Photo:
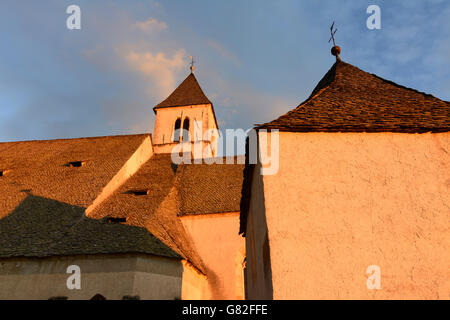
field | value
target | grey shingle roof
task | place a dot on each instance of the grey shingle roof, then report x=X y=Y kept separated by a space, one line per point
x=41 y=227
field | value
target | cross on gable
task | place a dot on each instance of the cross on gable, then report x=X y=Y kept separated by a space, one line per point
x=332 y=34
x=192 y=63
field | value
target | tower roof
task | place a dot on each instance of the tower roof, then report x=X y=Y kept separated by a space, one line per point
x=187 y=93
x=348 y=99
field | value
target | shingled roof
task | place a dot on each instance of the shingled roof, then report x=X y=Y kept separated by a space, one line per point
x=42 y=168
x=47 y=186
x=210 y=188
x=187 y=93
x=43 y=198
x=41 y=227
x=348 y=99
x=156 y=211
x=186 y=189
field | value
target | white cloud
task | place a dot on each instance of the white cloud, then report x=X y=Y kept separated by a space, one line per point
x=150 y=25
x=159 y=68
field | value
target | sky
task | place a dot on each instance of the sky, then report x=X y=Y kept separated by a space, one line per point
x=255 y=60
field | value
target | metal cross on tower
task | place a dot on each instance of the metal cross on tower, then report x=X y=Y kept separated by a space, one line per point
x=192 y=64
x=332 y=34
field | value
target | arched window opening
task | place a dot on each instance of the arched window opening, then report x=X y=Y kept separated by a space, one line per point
x=186 y=130
x=176 y=131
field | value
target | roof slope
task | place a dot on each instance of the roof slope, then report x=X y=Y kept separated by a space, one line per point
x=156 y=176
x=350 y=100
x=40 y=168
x=41 y=227
x=172 y=191
x=42 y=200
x=187 y=93
x=209 y=188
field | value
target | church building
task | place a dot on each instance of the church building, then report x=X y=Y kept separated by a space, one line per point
x=359 y=207
x=117 y=213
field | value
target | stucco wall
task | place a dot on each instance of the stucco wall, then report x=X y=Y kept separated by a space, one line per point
x=258 y=279
x=216 y=240
x=112 y=276
x=194 y=283
x=344 y=201
x=165 y=122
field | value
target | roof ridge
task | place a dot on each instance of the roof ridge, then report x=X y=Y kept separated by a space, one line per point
x=80 y=138
x=326 y=80
x=317 y=91
x=349 y=99
x=428 y=95
x=175 y=194
x=390 y=82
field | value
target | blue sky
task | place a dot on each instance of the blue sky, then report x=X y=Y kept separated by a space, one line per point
x=254 y=59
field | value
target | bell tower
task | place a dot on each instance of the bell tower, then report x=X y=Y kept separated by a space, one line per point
x=186 y=117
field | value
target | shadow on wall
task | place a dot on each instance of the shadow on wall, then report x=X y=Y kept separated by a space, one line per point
x=258 y=271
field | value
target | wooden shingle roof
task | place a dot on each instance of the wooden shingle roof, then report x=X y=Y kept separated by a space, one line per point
x=174 y=190
x=187 y=93
x=348 y=99
x=42 y=168
x=43 y=198
x=47 y=186
x=42 y=227
x=210 y=188
x=156 y=211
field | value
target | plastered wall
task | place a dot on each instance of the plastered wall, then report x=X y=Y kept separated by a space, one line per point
x=341 y=202
x=216 y=240
x=165 y=122
x=112 y=276
x=258 y=277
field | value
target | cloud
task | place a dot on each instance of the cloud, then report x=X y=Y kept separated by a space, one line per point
x=150 y=25
x=105 y=78
x=158 y=67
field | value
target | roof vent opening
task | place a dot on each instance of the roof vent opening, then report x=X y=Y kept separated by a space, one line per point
x=116 y=220
x=4 y=172
x=139 y=192
x=75 y=164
